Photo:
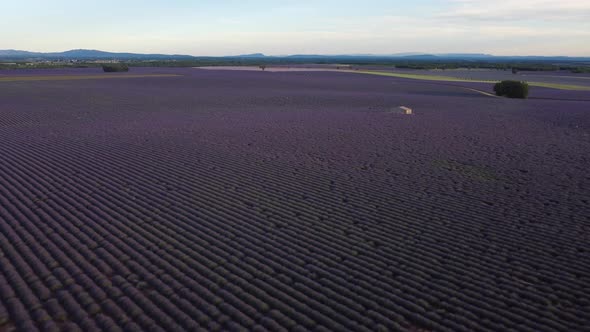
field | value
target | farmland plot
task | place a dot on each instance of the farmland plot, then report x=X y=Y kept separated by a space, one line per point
x=290 y=201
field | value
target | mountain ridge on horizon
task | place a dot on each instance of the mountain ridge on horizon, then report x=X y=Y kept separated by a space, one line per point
x=98 y=54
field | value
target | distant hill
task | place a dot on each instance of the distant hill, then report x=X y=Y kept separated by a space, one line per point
x=17 y=53
x=83 y=54
x=462 y=55
x=86 y=55
x=253 y=55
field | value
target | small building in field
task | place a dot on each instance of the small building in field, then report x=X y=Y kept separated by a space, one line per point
x=406 y=110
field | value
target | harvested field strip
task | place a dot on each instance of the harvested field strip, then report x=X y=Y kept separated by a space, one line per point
x=560 y=86
x=455 y=79
x=78 y=77
x=332 y=244
x=417 y=76
x=574 y=77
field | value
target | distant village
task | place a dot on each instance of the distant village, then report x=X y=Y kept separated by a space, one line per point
x=59 y=63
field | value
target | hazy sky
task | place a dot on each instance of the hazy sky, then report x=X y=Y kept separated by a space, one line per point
x=227 y=27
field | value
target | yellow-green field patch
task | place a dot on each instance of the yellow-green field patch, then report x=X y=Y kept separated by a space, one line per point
x=456 y=79
x=560 y=86
x=420 y=76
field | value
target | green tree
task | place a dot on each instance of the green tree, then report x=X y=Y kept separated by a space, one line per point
x=512 y=89
x=115 y=67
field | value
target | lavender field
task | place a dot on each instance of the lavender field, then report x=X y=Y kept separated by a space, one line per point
x=290 y=201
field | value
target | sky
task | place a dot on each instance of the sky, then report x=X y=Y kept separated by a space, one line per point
x=280 y=27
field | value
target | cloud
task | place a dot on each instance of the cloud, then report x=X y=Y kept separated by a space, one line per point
x=517 y=10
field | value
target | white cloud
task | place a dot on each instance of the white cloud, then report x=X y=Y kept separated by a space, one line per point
x=517 y=10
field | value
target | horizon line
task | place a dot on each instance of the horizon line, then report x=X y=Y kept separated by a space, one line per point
x=409 y=53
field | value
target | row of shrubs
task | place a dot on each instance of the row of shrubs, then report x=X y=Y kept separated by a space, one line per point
x=115 y=67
